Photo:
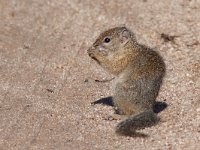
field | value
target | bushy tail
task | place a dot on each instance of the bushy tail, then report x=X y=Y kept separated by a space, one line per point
x=130 y=125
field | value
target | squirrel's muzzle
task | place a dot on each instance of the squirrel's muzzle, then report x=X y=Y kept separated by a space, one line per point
x=90 y=52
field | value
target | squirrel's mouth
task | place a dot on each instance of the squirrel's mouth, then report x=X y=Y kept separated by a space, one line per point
x=93 y=57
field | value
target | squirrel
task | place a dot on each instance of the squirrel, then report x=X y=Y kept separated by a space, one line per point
x=139 y=72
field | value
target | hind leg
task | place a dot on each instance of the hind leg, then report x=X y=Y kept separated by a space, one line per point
x=118 y=111
x=118 y=115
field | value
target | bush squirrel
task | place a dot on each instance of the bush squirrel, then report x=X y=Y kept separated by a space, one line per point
x=139 y=72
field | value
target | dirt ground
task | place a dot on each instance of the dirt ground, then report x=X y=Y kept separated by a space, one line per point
x=47 y=80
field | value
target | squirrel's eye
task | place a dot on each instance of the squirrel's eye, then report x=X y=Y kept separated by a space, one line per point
x=107 y=40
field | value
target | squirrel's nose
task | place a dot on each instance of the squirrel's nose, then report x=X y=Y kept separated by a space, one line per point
x=89 y=51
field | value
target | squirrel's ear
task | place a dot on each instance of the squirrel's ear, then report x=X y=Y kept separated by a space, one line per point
x=125 y=36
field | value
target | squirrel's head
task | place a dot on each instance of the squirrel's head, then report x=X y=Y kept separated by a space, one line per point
x=111 y=46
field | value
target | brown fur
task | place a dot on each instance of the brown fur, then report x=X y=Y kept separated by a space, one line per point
x=139 y=71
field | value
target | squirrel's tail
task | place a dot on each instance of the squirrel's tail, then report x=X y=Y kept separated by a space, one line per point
x=130 y=125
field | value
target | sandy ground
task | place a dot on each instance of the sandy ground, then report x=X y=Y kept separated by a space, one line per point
x=47 y=80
